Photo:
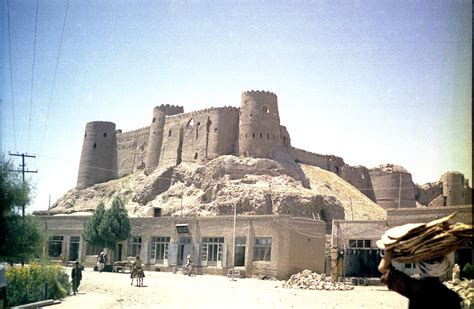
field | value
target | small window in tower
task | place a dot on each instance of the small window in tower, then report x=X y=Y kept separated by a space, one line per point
x=95 y=145
x=105 y=134
x=266 y=110
x=253 y=135
x=85 y=135
x=195 y=156
x=245 y=135
x=169 y=133
x=215 y=129
x=190 y=124
x=260 y=135
x=268 y=136
x=251 y=115
x=153 y=121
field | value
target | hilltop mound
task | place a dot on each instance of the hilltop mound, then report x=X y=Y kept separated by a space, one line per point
x=254 y=186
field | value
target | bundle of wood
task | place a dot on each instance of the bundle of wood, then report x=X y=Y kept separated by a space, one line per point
x=419 y=241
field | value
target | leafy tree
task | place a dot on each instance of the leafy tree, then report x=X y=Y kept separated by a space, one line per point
x=91 y=231
x=24 y=240
x=107 y=227
x=20 y=238
x=115 y=226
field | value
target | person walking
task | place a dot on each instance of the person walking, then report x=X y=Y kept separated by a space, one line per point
x=101 y=259
x=76 y=275
x=189 y=265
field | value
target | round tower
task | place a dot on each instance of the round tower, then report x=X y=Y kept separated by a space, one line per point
x=393 y=186
x=155 y=138
x=99 y=154
x=453 y=188
x=259 y=124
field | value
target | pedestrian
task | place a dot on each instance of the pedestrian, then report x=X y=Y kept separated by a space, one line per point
x=189 y=265
x=76 y=275
x=101 y=259
x=456 y=272
x=426 y=292
x=3 y=287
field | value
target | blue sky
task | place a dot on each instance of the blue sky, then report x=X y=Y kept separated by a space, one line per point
x=371 y=81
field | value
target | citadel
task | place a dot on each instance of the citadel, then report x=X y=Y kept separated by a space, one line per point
x=253 y=130
x=295 y=209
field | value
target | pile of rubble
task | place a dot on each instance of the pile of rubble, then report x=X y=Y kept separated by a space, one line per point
x=465 y=289
x=308 y=280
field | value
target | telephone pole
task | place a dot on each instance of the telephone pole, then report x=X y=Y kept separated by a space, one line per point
x=23 y=171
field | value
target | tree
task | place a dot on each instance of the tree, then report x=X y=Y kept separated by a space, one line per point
x=91 y=232
x=115 y=226
x=107 y=227
x=20 y=238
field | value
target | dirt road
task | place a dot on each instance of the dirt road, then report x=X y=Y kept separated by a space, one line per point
x=167 y=290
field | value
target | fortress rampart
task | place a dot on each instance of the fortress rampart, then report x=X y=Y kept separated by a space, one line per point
x=252 y=130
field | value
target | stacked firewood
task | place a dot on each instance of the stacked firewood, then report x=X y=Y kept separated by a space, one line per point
x=418 y=242
x=308 y=280
x=465 y=289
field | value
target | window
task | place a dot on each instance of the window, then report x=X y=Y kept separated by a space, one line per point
x=159 y=249
x=265 y=110
x=134 y=246
x=169 y=133
x=55 y=246
x=260 y=135
x=359 y=243
x=95 y=145
x=253 y=135
x=153 y=121
x=211 y=250
x=195 y=156
x=105 y=134
x=262 y=250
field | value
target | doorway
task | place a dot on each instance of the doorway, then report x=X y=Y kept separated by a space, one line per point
x=74 y=248
x=184 y=248
x=239 y=256
x=119 y=252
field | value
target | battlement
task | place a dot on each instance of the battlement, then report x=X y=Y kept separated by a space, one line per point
x=177 y=118
x=258 y=92
x=133 y=133
x=169 y=109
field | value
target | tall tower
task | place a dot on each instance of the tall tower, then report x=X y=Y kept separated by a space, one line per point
x=99 y=154
x=453 y=188
x=259 y=124
x=155 y=139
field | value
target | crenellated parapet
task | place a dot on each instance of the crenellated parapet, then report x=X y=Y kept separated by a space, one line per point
x=170 y=109
x=258 y=93
x=121 y=136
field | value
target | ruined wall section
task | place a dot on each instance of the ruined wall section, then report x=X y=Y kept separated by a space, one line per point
x=359 y=177
x=155 y=138
x=428 y=192
x=99 y=154
x=326 y=162
x=285 y=137
x=393 y=186
x=259 y=124
x=131 y=150
x=199 y=136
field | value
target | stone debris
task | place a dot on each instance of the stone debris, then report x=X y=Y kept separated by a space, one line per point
x=308 y=280
x=465 y=289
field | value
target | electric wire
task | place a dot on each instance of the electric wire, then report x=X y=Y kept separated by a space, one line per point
x=11 y=73
x=54 y=76
x=32 y=76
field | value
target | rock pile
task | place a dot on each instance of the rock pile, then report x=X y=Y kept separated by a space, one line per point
x=308 y=280
x=465 y=289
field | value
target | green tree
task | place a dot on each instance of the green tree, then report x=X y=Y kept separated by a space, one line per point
x=20 y=238
x=92 y=232
x=115 y=226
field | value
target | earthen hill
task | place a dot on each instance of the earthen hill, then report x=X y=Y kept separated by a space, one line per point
x=211 y=159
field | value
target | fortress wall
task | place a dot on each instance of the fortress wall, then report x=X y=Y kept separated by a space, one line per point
x=401 y=216
x=99 y=154
x=359 y=177
x=259 y=124
x=326 y=162
x=131 y=150
x=286 y=140
x=389 y=185
x=426 y=193
x=172 y=143
x=224 y=132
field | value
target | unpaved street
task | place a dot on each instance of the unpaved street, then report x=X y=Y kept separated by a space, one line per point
x=167 y=290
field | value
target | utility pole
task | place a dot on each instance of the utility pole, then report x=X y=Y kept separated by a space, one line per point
x=23 y=171
x=352 y=211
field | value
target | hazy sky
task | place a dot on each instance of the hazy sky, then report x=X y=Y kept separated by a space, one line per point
x=370 y=81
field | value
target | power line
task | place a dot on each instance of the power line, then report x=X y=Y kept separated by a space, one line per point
x=32 y=76
x=55 y=73
x=11 y=72
x=23 y=171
